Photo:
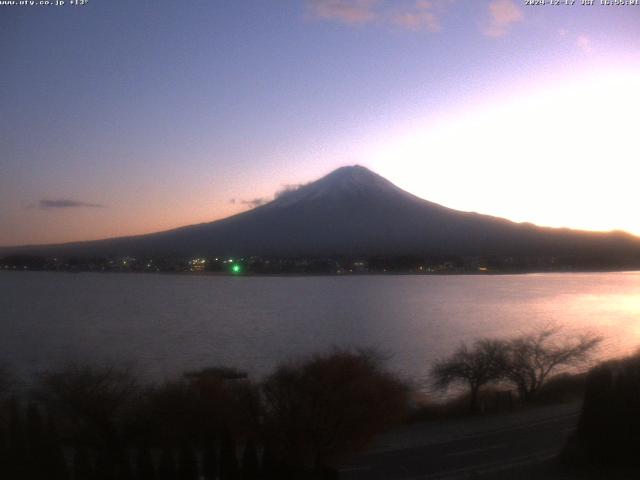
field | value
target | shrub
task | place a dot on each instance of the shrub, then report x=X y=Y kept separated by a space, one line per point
x=609 y=426
x=330 y=406
x=92 y=400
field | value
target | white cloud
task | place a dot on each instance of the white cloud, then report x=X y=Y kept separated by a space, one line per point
x=503 y=14
x=421 y=17
x=345 y=11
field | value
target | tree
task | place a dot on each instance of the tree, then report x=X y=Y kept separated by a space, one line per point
x=228 y=458
x=82 y=466
x=250 y=463
x=530 y=359
x=474 y=366
x=187 y=463
x=167 y=468
x=56 y=463
x=145 y=469
x=328 y=407
x=209 y=459
x=17 y=465
x=36 y=442
x=93 y=399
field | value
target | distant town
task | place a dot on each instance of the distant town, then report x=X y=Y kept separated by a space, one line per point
x=327 y=265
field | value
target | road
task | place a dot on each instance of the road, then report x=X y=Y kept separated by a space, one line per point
x=484 y=448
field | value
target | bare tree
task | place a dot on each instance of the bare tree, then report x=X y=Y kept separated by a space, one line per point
x=473 y=366
x=330 y=406
x=532 y=358
x=93 y=399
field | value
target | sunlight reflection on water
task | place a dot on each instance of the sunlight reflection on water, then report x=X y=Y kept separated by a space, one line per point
x=166 y=324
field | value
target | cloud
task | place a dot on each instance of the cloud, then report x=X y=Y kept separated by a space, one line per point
x=288 y=188
x=66 y=203
x=345 y=11
x=584 y=43
x=253 y=203
x=421 y=17
x=503 y=14
x=256 y=202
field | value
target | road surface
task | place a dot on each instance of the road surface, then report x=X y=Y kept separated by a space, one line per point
x=466 y=449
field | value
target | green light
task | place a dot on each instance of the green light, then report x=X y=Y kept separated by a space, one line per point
x=235 y=268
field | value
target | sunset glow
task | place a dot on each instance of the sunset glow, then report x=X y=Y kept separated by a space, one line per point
x=524 y=113
x=562 y=156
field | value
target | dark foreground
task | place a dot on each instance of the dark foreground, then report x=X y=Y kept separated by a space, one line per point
x=487 y=448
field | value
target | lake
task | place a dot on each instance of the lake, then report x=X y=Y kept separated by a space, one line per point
x=164 y=324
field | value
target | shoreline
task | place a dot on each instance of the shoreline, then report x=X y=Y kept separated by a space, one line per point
x=337 y=275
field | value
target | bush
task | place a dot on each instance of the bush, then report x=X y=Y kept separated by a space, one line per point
x=564 y=387
x=609 y=426
x=92 y=402
x=328 y=407
x=304 y=417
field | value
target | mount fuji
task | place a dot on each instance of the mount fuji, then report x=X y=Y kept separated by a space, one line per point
x=354 y=211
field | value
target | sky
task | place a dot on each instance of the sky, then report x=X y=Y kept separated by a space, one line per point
x=123 y=117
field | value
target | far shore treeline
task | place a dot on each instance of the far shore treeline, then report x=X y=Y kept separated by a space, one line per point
x=323 y=265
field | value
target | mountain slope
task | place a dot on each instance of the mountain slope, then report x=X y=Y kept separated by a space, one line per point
x=355 y=211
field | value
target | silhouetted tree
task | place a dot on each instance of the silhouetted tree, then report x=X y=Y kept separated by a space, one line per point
x=328 y=407
x=269 y=466
x=187 y=463
x=4 y=453
x=475 y=367
x=167 y=467
x=250 y=464
x=530 y=359
x=106 y=465
x=145 y=469
x=37 y=445
x=93 y=400
x=168 y=414
x=56 y=463
x=82 y=465
x=17 y=465
x=227 y=399
x=228 y=457
x=209 y=460
x=123 y=464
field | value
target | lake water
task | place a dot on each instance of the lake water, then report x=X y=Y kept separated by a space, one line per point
x=165 y=324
